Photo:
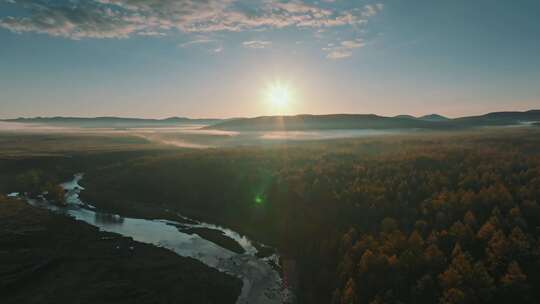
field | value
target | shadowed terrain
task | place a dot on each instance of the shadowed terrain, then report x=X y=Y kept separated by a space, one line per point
x=444 y=215
x=49 y=258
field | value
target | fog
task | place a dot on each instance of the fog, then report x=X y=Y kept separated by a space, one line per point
x=195 y=136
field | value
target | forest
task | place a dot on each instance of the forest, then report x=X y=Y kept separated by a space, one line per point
x=437 y=218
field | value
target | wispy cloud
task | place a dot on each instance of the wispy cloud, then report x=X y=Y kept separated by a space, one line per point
x=256 y=44
x=124 y=18
x=344 y=49
x=371 y=10
x=197 y=41
x=151 y=33
x=210 y=45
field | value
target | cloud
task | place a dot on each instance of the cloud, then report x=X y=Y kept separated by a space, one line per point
x=197 y=41
x=344 y=49
x=151 y=33
x=210 y=45
x=87 y=20
x=256 y=44
x=125 y=18
x=339 y=54
x=371 y=10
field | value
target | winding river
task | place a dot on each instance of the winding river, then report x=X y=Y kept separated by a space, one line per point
x=261 y=282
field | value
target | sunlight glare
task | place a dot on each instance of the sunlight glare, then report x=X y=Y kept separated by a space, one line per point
x=279 y=96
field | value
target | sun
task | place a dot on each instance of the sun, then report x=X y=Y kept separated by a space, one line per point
x=279 y=96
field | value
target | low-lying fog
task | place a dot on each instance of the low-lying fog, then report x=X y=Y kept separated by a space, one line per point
x=194 y=136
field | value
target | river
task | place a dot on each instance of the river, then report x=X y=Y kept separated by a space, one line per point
x=261 y=281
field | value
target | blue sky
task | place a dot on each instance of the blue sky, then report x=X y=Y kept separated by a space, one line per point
x=209 y=58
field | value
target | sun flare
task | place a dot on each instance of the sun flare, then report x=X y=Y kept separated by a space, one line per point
x=279 y=96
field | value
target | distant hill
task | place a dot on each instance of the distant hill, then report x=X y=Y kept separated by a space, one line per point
x=371 y=121
x=430 y=117
x=434 y=117
x=405 y=116
x=325 y=122
x=114 y=122
x=301 y=122
x=501 y=118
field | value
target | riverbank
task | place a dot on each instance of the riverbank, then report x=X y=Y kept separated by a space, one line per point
x=217 y=237
x=49 y=258
x=261 y=281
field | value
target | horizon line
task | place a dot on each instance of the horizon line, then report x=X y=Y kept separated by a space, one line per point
x=257 y=116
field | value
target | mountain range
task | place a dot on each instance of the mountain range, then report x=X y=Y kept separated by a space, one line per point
x=113 y=122
x=302 y=122
x=372 y=121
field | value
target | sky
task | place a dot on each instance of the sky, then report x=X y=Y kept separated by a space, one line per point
x=215 y=59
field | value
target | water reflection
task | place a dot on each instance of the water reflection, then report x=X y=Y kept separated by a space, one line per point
x=261 y=282
x=108 y=219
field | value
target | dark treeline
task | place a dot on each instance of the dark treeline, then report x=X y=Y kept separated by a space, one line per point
x=431 y=219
